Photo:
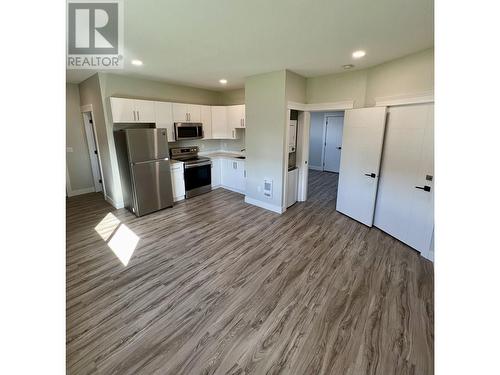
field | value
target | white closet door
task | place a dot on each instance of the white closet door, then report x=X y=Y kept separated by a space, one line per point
x=333 y=143
x=404 y=209
x=360 y=162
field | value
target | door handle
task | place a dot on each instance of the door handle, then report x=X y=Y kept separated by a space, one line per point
x=424 y=188
x=372 y=175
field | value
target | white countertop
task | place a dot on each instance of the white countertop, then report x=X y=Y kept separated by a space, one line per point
x=222 y=154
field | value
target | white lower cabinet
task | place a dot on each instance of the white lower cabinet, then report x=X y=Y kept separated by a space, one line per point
x=177 y=176
x=233 y=175
x=216 y=173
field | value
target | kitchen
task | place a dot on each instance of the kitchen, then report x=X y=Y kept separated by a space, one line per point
x=148 y=133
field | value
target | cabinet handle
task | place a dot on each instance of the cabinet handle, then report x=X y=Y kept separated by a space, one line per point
x=233 y=133
x=134 y=116
x=138 y=117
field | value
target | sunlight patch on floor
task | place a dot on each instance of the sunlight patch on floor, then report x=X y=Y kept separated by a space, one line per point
x=119 y=238
x=107 y=226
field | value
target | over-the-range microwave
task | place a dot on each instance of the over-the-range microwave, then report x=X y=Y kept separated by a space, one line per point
x=188 y=130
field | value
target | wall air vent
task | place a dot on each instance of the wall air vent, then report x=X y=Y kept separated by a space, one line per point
x=268 y=188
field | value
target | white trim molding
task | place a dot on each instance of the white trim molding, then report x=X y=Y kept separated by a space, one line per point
x=72 y=193
x=264 y=205
x=297 y=106
x=116 y=205
x=315 y=168
x=322 y=107
x=415 y=98
x=333 y=106
x=86 y=108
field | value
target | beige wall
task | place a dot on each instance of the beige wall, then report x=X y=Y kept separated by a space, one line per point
x=295 y=87
x=139 y=88
x=408 y=75
x=90 y=93
x=265 y=101
x=411 y=74
x=232 y=97
x=78 y=161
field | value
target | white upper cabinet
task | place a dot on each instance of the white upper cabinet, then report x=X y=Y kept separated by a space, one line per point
x=194 y=112
x=186 y=112
x=145 y=110
x=123 y=110
x=219 y=122
x=164 y=118
x=180 y=112
x=236 y=116
x=132 y=110
x=206 y=120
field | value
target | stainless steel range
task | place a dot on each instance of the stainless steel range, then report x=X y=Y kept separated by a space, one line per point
x=197 y=170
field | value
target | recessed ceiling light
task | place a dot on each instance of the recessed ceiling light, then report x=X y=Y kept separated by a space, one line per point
x=347 y=66
x=358 y=54
x=222 y=81
x=137 y=62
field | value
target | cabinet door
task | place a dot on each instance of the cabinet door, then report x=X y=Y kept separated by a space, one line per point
x=178 y=188
x=123 y=110
x=234 y=116
x=206 y=120
x=194 y=112
x=164 y=119
x=227 y=174
x=243 y=114
x=240 y=176
x=145 y=111
x=216 y=172
x=180 y=112
x=219 y=122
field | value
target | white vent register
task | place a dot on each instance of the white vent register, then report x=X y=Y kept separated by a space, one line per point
x=268 y=188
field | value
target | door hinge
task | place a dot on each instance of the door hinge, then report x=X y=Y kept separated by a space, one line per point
x=100 y=181
x=95 y=152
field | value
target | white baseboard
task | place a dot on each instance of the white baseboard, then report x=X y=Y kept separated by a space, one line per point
x=231 y=189
x=315 y=168
x=116 y=205
x=429 y=255
x=264 y=205
x=72 y=193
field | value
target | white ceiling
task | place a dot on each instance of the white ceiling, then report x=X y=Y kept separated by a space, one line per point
x=198 y=42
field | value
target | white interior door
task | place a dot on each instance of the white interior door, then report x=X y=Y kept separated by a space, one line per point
x=362 y=141
x=333 y=143
x=404 y=209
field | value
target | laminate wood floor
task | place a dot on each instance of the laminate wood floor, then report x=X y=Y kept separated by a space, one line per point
x=217 y=286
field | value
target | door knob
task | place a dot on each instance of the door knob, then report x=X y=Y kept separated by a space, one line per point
x=372 y=175
x=424 y=188
x=339 y=148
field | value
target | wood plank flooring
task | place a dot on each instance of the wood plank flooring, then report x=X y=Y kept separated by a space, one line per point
x=217 y=286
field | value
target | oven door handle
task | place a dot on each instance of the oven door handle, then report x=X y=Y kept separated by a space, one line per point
x=187 y=166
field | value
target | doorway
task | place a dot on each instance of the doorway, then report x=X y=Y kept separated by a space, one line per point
x=333 y=142
x=93 y=150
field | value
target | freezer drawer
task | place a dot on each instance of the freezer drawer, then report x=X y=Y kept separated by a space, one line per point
x=152 y=186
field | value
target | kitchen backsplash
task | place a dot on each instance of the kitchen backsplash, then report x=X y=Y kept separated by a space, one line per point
x=214 y=144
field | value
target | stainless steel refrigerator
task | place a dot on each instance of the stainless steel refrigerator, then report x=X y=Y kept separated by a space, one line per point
x=143 y=161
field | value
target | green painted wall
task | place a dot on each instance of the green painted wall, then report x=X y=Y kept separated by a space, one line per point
x=265 y=100
x=90 y=93
x=232 y=97
x=407 y=75
x=78 y=161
